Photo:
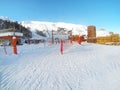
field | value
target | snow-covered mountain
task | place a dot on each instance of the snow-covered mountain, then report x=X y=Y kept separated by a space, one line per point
x=4 y=18
x=37 y=25
x=102 y=32
x=77 y=29
x=49 y=26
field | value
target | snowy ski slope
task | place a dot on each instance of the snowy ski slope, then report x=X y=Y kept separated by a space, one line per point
x=81 y=67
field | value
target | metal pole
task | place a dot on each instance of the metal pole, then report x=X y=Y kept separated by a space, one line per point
x=52 y=38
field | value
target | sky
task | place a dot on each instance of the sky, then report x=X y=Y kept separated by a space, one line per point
x=104 y=14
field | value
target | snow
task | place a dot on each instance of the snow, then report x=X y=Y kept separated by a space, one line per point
x=11 y=34
x=77 y=29
x=61 y=36
x=42 y=67
x=4 y=18
x=36 y=36
x=101 y=32
x=38 y=25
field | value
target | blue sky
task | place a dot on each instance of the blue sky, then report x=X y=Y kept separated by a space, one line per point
x=101 y=13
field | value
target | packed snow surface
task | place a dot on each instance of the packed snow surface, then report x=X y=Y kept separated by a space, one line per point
x=42 y=67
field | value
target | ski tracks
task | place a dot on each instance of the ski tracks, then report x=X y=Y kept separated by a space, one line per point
x=81 y=67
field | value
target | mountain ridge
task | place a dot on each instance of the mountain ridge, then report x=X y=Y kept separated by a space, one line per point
x=38 y=25
x=77 y=29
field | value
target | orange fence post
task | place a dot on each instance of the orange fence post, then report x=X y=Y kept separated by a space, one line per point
x=61 y=46
x=14 y=40
x=79 y=40
x=71 y=40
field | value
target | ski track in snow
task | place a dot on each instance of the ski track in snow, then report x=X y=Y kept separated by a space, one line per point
x=81 y=67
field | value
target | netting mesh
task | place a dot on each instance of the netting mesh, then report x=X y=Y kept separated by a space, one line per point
x=6 y=50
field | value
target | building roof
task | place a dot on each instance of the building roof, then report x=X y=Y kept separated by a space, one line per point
x=10 y=32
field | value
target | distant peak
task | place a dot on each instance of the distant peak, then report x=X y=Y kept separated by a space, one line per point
x=4 y=18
